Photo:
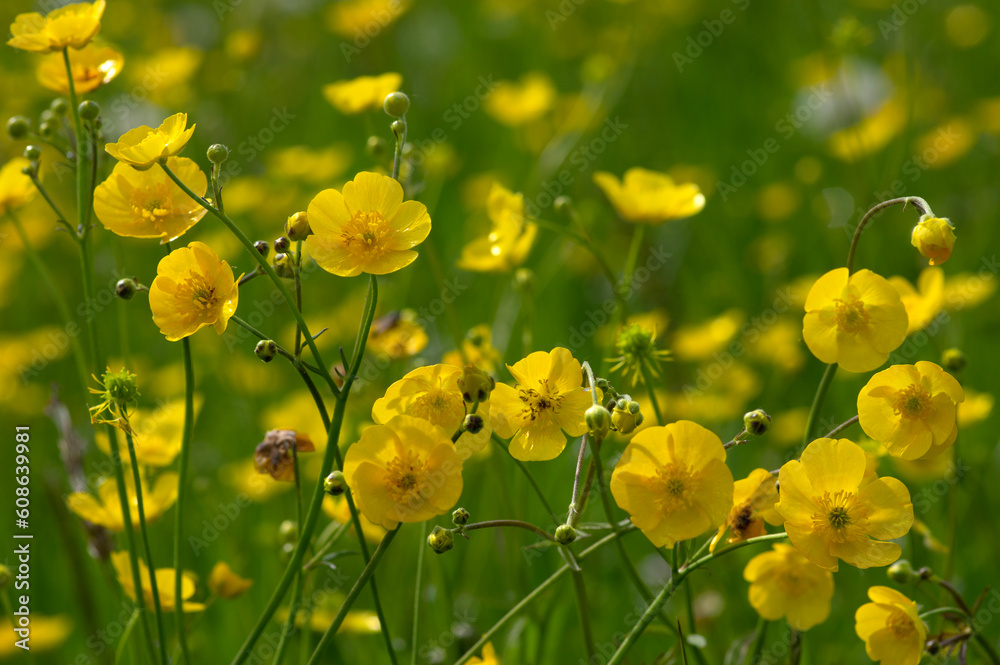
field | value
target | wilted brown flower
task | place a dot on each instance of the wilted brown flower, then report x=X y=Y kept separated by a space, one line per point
x=275 y=455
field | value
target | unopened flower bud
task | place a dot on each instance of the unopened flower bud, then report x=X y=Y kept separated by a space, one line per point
x=598 y=421
x=396 y=104
x=934 y=238
x=626 y=415
x=473 y=423
x=282 y=244
x=475 y=384
x=286 y=551
x=460 y=517
x=397 y=128
x=18 y=127
x=283 y=266
x=217 y=153
x=335 y=484
x=262 y=247
x=89 y=110
x=33 y=153
x=288 y=531
x=266 y=349
x=757 y=422
x=297 y=227
x=376 y=146
x=441 y=540
x=46 y=128
x=902 y=572
x=59 y=106
x=954 y=360
x=126 y=288
x=565 y=534
x=524 y=279
x=563 y=205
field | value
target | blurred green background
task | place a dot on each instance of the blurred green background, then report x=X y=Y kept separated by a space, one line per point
x=791 y=117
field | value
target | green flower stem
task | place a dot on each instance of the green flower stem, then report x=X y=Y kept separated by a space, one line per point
x=298 y=295
x=182 y=464
x=264 y=265
x=840 y=428
x=81 y=176
x=119 y=650
x=580 y=591
x=584 y=241
x=524 y=602
x=421 y=548
x=942 y=610
x=294 y=605
x=631 y=259
x=647 y=378
x=154 y=587
x=676 y=577
x=397 y=158
x=326 y=544
x=915 y=201
x=60 y=218
x=988 y=647
x=491 y=524
x=821 y=390
x=57 y=297
x=753 y=657
x=531 y=479
x=352 y=595
x=296 y=362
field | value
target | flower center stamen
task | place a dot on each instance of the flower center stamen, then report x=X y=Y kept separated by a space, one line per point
x=405 y=477
x=841 y=516
x=851 y=314
x=674 y=487
x=912 y=402
x=366 y=234
x=538 y=403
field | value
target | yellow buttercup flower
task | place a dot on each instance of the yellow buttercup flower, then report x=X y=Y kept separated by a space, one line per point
x=156 y=433
x=783 y=583
x=934 y=237
x=144 y=146
x=891 y=627
x=353 y=17
x=406 y=470
x=165 y=578
x=193 y=288
x=148 y=204
x=834 y=510
x=366 y=228
x=432 y=393
x=549 y=399
x=520 y=103
x=509 y=241
x=649 y=197
x=855 y=321
x=105 y=509
x=489 y=656
x=365 y=93
x=223 y=582
x=673 y=482
x=924 y=302
x=397 y=335
x=337 y=509
x=47 y=633
x=477 y=349
x=16 y=189
x=753 y=504
x=911 y=409
x=92 y=67
x=70 y=26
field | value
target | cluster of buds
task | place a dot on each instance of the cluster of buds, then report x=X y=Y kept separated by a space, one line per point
x=626 y=416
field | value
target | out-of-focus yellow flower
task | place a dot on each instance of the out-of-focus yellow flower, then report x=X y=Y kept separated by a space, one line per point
x=165 y=578
x=717 y=394
x=16 y=189
x=700 y=341
x=105 y=509
x=926 y=468
x=783 y=583
x=397 y=335
x=489 y=656
x=47 y=633
x=366 y=228
x=156 y=433
x=356 y=622
x=70 y=26
x=549 y=399
x=92 y=67
x=363 y=18
x=967 y=25
x=365 y=93
x=193 y=288
x=148 y=204
x=855 y=321
x=432 y=393
x=337 y=509
x=966 y=290
x=869 y=135
x=223 y=582
x=275 y=455
x=948 y=143
x=976 y=408
x=516 y=104
x=477 y=348
x=911 y=409
x=834 y=510
x=924 y=302
x=673 y=482
x=891 y=627
x=649 y=197
x=144 y=146
x=753 y=504
x=511 y=235
x=934 y=238
x=172 y=69
x=406 y=470
x=779 y=344
x=245 y=479
x=299 y=162
x=778 y=201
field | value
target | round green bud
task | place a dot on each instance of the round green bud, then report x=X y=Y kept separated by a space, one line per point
x=266 y=349
x=902 y=572
x=18 y=127
x=297 y=227
x=473 y=423
x=524 y=279
x=33 y=153
x=565 y=534
x=282 y=244
x=27 y=170
x=335 y=484
x=59 y=106
x=460 y=517
x=954 y=360
x=626 y=415
x=397 y=127
x=563 y=205
x=396 y=104
x=283 y=266
x=757 y=422
x=217 y=153
x=475 y=384
x=598 y=421
x=47 y=116
x=288 y=531
x=286 y=551
x=46 y=128
x=375 y=146
x=441 y=540
x=89 y=110
x=5 y=576
x=126 y=288
x=262 y=247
